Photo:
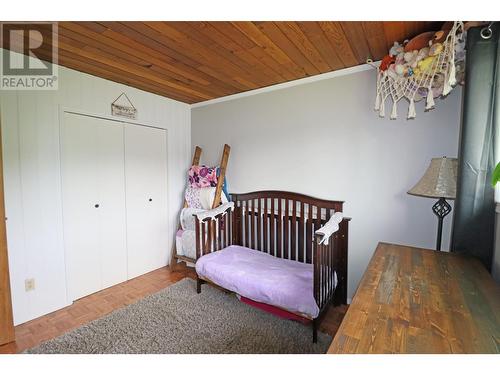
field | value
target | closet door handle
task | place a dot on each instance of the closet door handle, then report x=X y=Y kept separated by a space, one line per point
x=96 y=205
x=150 y=199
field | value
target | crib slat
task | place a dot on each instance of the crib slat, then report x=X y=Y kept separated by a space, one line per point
x=264 y=224
x=247 y=220
x=255 y=238
x=324 y=275
x=332 y=270
x=259 y=223
x=317 y=221
x=294 y=231
x=236 y=228
x=316 y=272
x=327 y=268
x=286 y=230
x=197 y=234
x=203 y=237
x=279 y=239
x=252 y=225
x=323 y=264
x=318 y=254
x=309 y=239
x=211 y=236
x=219 y=239
x=229 y=229
x=301 y=233
x=327 y=261
x=272 y=226
x=225 y=229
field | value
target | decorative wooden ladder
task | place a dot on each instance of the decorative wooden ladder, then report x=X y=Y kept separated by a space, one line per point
x=217 y=199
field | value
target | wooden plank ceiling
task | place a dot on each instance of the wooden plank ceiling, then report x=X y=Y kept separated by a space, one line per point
x=197 y=61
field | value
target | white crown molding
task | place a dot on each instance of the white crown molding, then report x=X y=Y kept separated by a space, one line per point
x=279 y=86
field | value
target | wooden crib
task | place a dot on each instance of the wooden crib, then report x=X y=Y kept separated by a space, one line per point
x=283 y=224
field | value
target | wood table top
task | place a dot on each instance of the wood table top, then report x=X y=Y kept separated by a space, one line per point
x=413 y=300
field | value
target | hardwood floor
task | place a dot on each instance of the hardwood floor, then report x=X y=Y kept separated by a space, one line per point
x=104 y=302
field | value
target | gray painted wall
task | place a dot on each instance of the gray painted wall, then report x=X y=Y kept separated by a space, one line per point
x=324 y=139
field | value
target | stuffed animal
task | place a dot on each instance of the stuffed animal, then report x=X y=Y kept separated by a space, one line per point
x=400 y=69
x=391 y=72
x=435 y=49
x=411 y=58
x=440 y=36
x=425 y=63
x=386 y=61
x=420 y=41
x=396 y=49
x=423 y=66
x=422 y=54
x=420 y=94
x=438 y=80
x=400 y=58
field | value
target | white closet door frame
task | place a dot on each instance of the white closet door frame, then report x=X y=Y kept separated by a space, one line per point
x=75 y=111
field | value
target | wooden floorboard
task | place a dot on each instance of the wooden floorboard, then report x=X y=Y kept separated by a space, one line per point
x=104 y=302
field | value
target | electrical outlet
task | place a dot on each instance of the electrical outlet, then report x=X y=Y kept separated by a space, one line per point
x=29 y=284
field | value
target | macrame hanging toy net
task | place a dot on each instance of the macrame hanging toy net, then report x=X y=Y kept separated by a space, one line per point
x=429 y=72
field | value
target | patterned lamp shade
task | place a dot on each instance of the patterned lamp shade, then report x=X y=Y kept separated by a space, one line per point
x=439 y=180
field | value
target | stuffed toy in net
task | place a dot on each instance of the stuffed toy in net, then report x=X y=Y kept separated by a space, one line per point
x=425 y=68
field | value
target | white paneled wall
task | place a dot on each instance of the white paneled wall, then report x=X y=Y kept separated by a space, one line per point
x=30 y=131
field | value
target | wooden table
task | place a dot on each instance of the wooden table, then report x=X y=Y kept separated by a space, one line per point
x=413 y=300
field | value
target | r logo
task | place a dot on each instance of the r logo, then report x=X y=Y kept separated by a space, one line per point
x=29 y=55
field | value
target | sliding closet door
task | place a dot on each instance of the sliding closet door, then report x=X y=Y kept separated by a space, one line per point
x=146 y=194
x=93 y=188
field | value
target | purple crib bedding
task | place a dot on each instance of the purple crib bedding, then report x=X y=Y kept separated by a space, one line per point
x=261 y=277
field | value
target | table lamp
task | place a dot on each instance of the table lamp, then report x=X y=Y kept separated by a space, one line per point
x=439 y=181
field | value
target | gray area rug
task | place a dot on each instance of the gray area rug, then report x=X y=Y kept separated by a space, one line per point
x=178 y=320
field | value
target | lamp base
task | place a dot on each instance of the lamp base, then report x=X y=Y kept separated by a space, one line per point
x=441 y=208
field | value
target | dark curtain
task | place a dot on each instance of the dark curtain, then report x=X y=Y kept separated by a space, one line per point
x=474 y=217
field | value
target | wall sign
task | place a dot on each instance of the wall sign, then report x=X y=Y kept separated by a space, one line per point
x=123 y=107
